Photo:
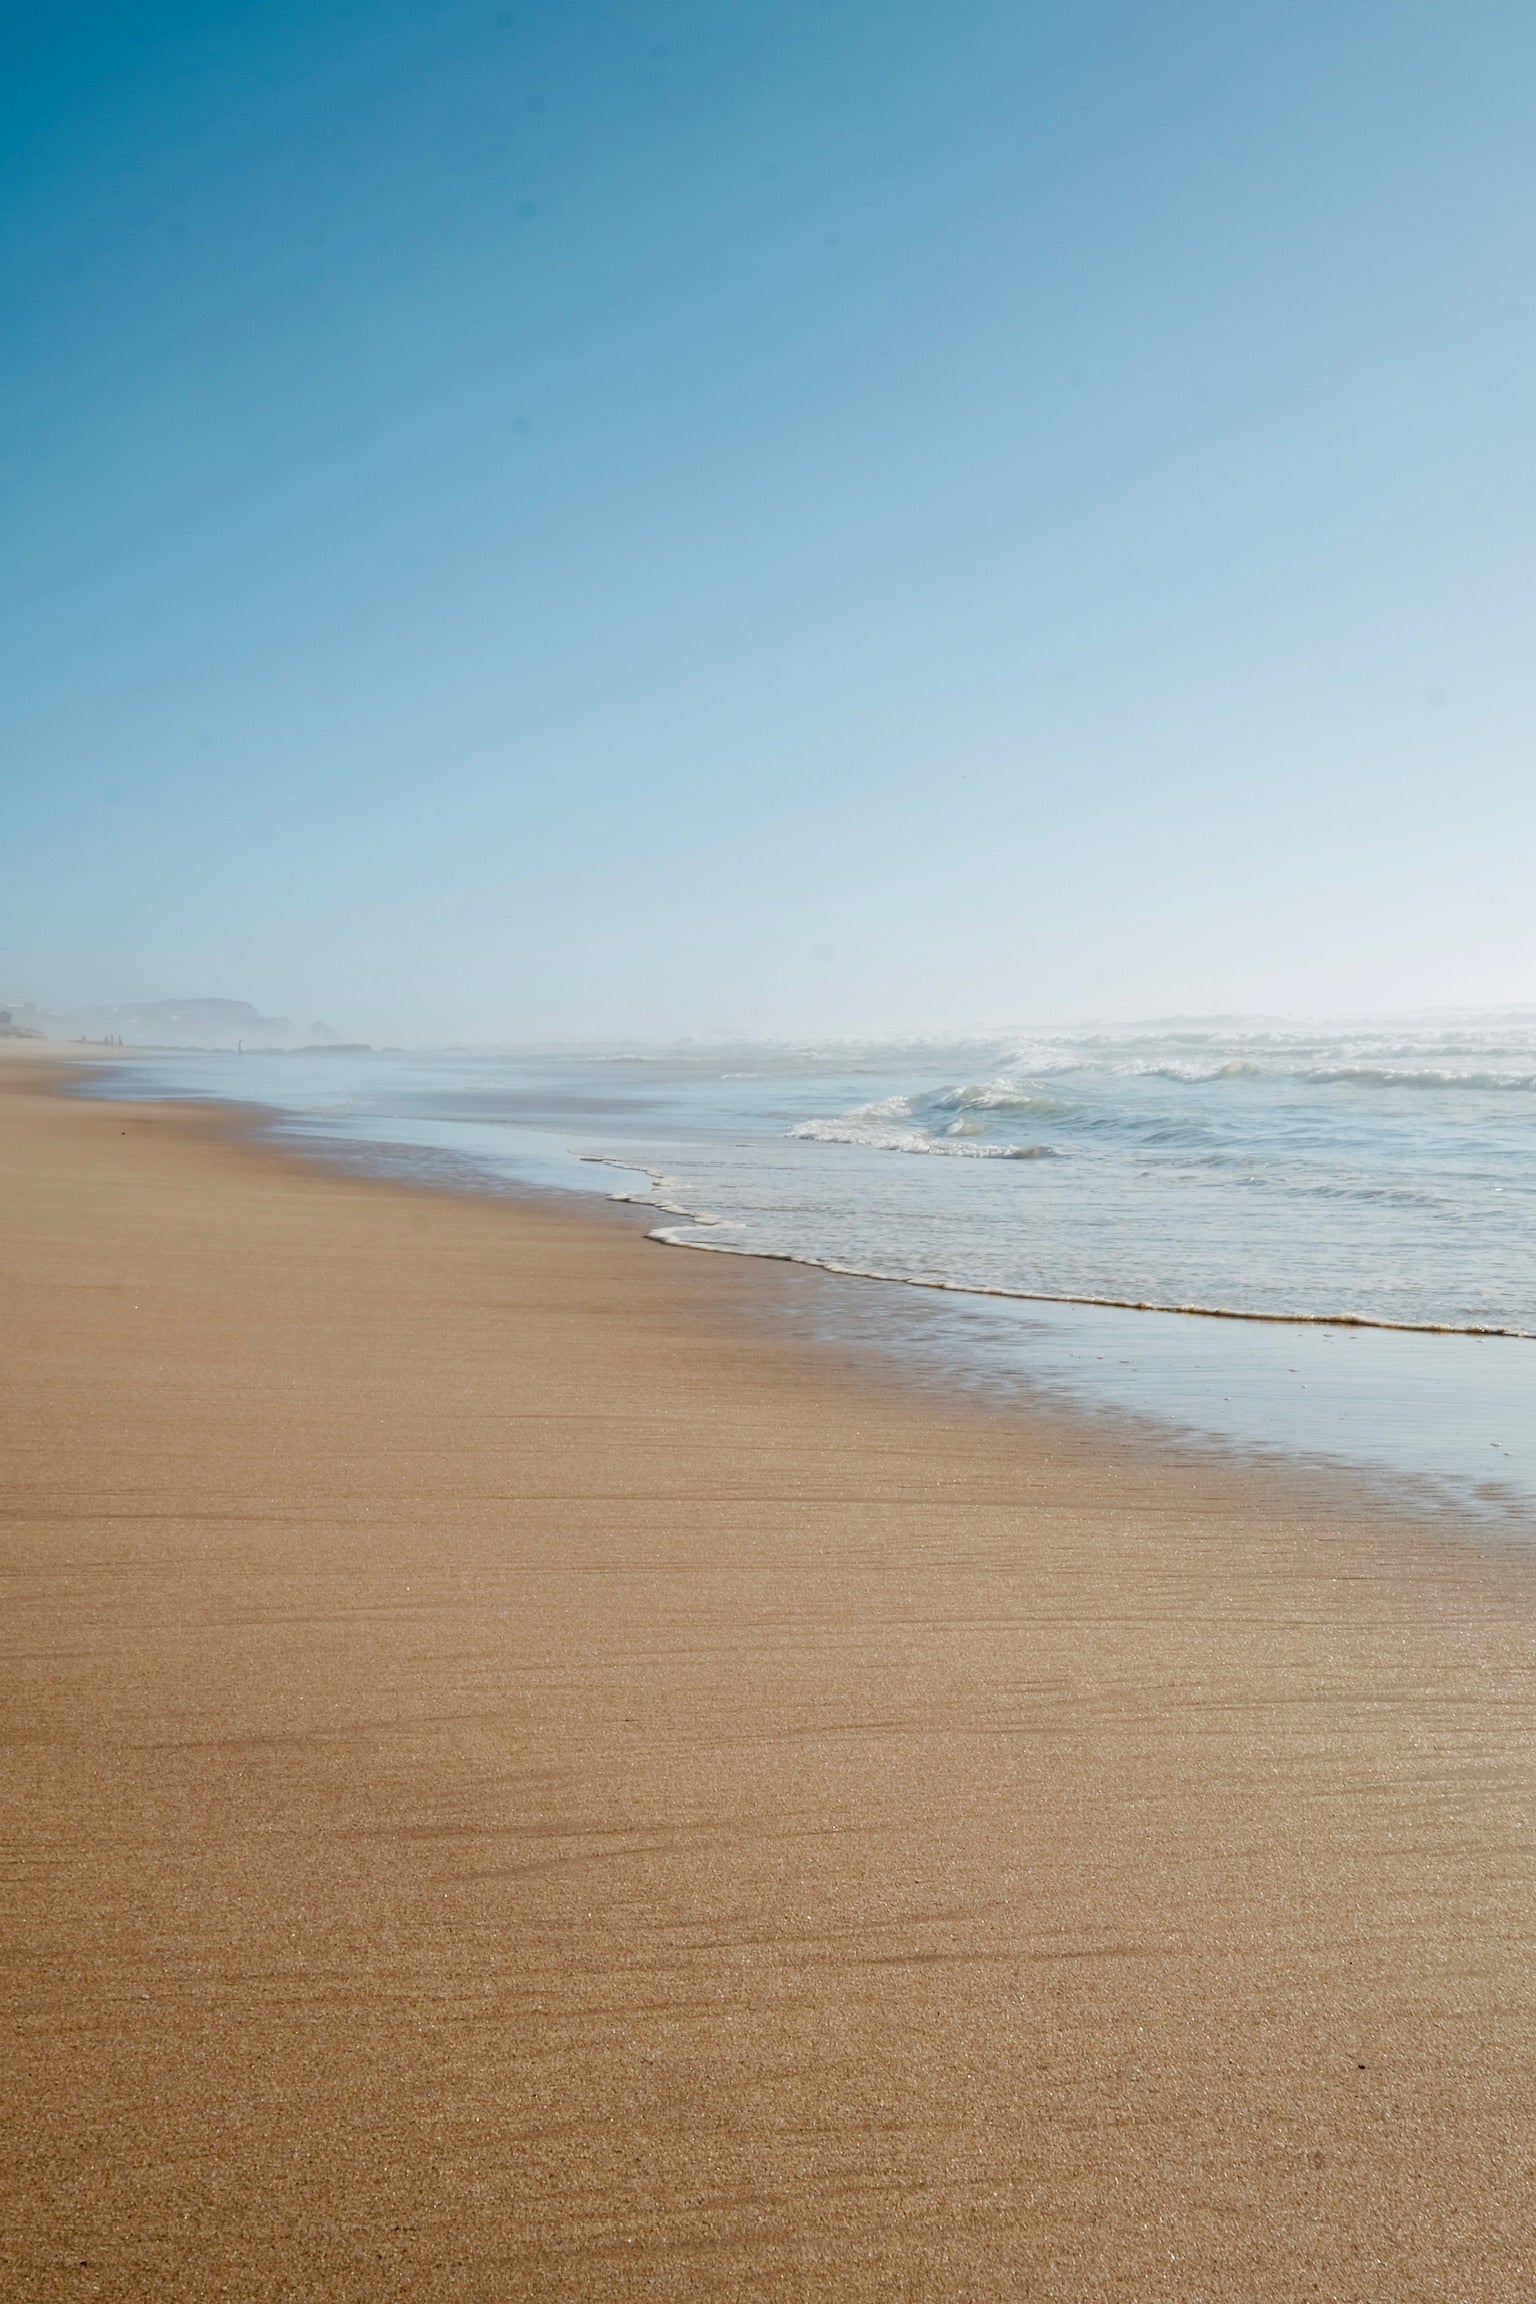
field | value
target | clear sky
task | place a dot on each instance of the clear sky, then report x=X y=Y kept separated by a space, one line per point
x=563 y=518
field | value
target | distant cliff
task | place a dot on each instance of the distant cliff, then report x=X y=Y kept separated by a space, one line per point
x=170 y=1024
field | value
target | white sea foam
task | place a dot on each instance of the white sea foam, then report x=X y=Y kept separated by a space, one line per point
x=951 y=1145
x=1398 y=1076
x=996 y=1096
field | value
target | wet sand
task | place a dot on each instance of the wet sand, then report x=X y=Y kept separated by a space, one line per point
x=522 y=1781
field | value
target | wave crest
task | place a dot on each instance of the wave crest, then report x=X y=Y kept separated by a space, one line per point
x=854 y=1128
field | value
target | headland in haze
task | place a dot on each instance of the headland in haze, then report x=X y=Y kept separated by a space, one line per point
x=193 y=1024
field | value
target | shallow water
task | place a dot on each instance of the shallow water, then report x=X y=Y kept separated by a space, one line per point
x=1300 y=1178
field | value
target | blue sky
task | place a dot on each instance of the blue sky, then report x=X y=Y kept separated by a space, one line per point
x=579 y=519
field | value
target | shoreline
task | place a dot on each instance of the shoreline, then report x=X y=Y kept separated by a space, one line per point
x=528 y=1779
x=667 y=1237
x=1401 y=1410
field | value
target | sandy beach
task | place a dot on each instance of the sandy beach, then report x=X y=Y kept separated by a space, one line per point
x=522 y=1780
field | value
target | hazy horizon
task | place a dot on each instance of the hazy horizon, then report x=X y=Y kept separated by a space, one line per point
x=534 y=526
x=266 y=1033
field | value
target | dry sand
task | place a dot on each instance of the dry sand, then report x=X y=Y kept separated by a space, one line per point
x=522 y=1782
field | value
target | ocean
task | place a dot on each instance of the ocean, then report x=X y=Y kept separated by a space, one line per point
x=1313 y=1240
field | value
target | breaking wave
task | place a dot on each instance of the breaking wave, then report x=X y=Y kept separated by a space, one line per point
x=957 y=1142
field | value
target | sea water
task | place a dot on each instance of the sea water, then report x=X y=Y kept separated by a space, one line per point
x=1316 y=1239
